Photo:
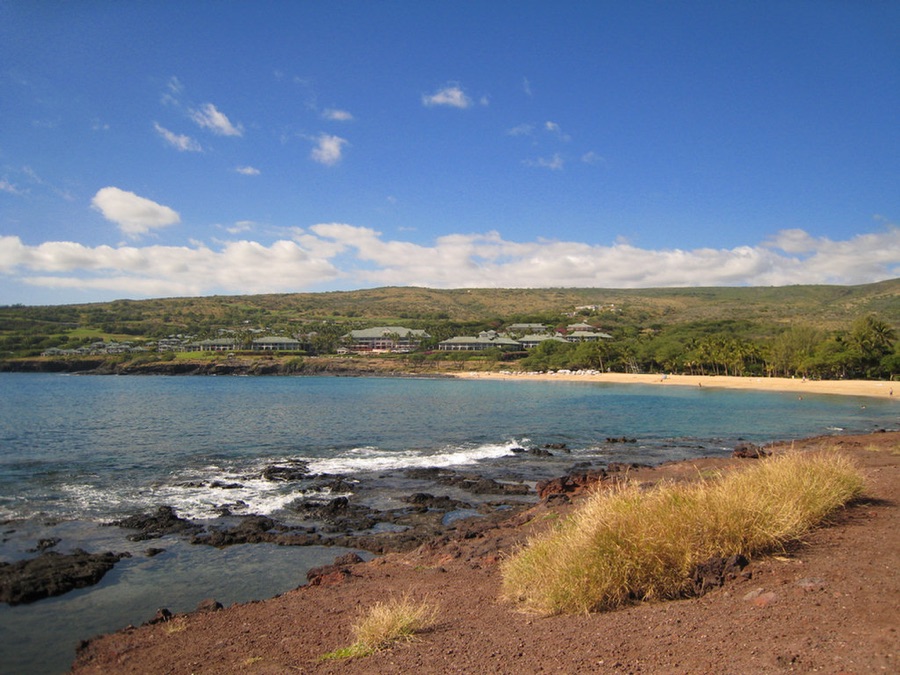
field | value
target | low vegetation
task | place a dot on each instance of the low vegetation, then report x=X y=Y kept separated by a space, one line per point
x=822 y=332
x=628 y=544
x=386 y=623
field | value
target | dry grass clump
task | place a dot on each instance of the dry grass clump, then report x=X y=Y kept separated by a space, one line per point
x=386 y=623
x=627 y=544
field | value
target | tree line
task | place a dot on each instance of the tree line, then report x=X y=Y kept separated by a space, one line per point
x=868 y=350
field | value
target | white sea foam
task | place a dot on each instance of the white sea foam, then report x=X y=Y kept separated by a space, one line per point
x=361 y=460
x=196 y=499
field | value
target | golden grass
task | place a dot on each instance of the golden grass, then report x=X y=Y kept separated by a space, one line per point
x=893 y=449
x=627 y=544
x=386 y=623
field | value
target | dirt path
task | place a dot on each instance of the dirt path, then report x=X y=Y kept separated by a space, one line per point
x=827 y=605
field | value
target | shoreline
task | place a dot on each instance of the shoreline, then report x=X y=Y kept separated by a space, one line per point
x=807 y=604
x=326 y=367
x=869 y=388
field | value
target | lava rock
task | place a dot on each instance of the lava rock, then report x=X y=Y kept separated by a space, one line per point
x=283 y=473
x=155 y=525
x=53 y=573
x=715 y=572
x=749 y=451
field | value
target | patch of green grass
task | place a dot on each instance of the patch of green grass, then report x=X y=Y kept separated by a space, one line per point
x=627 y=544
x=384 y=624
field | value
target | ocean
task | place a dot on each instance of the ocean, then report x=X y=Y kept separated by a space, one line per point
x=77 y=452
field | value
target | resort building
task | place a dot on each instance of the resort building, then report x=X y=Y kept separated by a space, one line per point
x=385 y=339
x=479 y=343
x=532 y=341
x=276 y=344
x=587 y=336
x=526 y=329
x=219 y=345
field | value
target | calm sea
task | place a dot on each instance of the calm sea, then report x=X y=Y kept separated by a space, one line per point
x=77 y=451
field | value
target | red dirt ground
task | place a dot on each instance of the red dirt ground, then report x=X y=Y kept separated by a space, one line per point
x=829 y=604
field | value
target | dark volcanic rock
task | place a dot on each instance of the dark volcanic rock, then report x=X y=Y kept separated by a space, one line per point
x=288 y=472
x=45 y=544
x=249 y=530
x=338 y=514
x=614 y=467
x=471 y=483
x=425 y=500
x=52 y=574
x=155 y=525
x=749 y=451
x=540 y=452
x=715 y=572
x=208 y=605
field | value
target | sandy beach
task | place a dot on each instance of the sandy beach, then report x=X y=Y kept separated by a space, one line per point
x=874 y=388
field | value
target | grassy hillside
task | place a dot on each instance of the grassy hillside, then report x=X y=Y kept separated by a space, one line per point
x=829 y=308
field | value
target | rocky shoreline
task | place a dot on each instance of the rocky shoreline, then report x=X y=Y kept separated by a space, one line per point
x=238 y=366
x=826 y=604
x=339 y=522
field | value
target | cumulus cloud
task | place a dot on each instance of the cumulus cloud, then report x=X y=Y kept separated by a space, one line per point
x=208 y=117
x=359 y=257
x=451 y=95
x=178 y=141
x=133 y=214
x=247 y=170
x=336 y=115
x=328 y=149
x=154 y=271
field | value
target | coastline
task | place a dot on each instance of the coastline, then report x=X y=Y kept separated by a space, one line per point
x=362 y=367
x=824 y=604
x=871 y=388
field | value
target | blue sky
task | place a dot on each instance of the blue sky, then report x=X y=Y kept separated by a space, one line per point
x=181 y=149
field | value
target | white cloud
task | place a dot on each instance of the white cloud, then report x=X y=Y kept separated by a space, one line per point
x=241 y=226
x=451 y=95
x=247 y=170
x=134 y=215
x=524 y=129
x=555 y=129
x=362 y=257
x=6 y=186
x=178 y=141
x=526 y=87
x=173 y=92
x=328 y=149
x=208 y=117
x=555 y=163
x=337 y=115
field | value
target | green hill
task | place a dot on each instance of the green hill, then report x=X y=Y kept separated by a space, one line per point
x=650 y=326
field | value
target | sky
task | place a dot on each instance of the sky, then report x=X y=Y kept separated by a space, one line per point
x=172 y=149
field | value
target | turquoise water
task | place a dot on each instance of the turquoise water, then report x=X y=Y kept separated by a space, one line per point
x=95 y=447
x=76 y=451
